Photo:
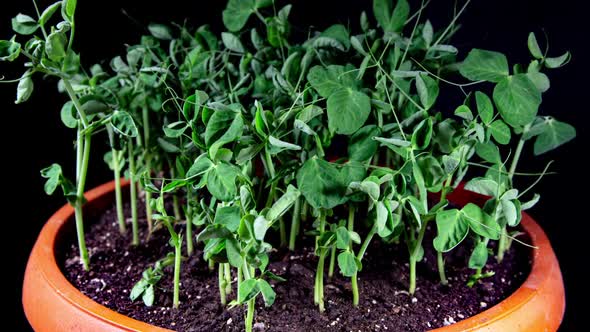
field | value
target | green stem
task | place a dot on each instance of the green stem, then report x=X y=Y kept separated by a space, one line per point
x=365 y=244
x=250 y=315
x=148 y=166
x=354 y=278
x=414 y=258
x=133 y=193
x=118 y=193
x=211 y=264
x=273 y=187
x=518 y=152
x=76 y=102
x=227 y=278
x=319 y=283
x=222 y=282
x=189 y=224
x=240 y=277
x=295 y=224
x=332 y=261
x=502 y=244
x=441 y=268
x=82 y=157
x=177 y=257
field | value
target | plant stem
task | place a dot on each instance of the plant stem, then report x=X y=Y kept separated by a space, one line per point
x=250 y=315
x=240 y=277
x=227 y=278
x=295 y=224
x=177 y=257
x=273 y=187
x=319 y=280
x=414 y=258
x=82 y=157
x=211 y=265
x=118 y=193
x=222 y=282
x=518 y=152
x=502 y=245
x=354 y=279
x=441 y=268
x=148 y=165
x=189 y=223
x=332 y=261
x=133 y=193
x=368 y=239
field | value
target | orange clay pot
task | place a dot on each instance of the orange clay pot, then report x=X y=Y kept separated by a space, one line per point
x=52 y=304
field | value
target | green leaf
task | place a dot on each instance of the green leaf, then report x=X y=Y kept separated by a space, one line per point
x=53 y=174
x=319 y=182
x=9 y=50
x=69 y=115
x=201 y=166
x=427 y=90
x=175 y=129
x=123 y=124
x=337 y=33
x=160 y=31
x=480 y=222
x=248 y=290
x=485 y=109
x=228 y=124
x=534 y=46
x=488 y=152
x=361 y=145
x=554 y=134
x=482 y=65
x=509 y=212
x=24 y=24
x=500 y=131
x=348 y=111
x=232 y=42
x=69 y=8
x=268 y=294
x=48 y=13
x=531 y=203
x=328 y=80
x=479 y=256
x=464 y=112
x=347 y=264
x=540 y=80
x=342 y=238
x=229 y=217
x=55 y=46
x=234 y=256
x=388 y=20
x=558 y=61
x=221 y=182
x=517 y=99
x=283 y=204
x=277 y=145
x=24 y=88
x=451 y=230
x=427 y=33
x=422 y=134
x=148 y=296
x=138 y=289
x=260 y=226
x=482 y=186
x=237 y=12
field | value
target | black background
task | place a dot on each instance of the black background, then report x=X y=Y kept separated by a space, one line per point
x=33 y=137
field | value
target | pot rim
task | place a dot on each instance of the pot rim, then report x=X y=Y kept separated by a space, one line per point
x=543 y=260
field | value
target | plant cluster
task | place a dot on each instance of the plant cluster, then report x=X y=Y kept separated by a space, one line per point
x=238 y=132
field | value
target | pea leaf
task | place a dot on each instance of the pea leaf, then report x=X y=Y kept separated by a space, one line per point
x=427 y=90
x=328 y=80
x=554 y=134
x=48 y=13
x=464 y=112
x=479 y=256
x=517 y=99
x=558 y=61
x=9 y=50
x=24 y=24
x=160 y=31
x=509 y=212
x=500 y=132
x=485 y=109
x=422 y=134
x=534 y=46
x=482 y=65
x=229 y=217
x=68 y=9
x=24 y=90
x=234 y=256
x=482 y=186
x=268 y=294
x=201 y=166
x=348 y=111
x=123 y=124
x=319 y=182
x=361 y=145
x=232 y=42
x=347 y=264
x=248 y=290
x=53 y=175
x=451 y=230
x=68 y=115
x=342 y=238
x=488 y=152
x=236 y=14
x=480 y=222
x=277 y=145
x=283 y=204
x=390 y=20
x=55 y=46
x=221 y=182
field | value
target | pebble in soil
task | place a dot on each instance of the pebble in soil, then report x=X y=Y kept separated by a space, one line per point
x=385 y=304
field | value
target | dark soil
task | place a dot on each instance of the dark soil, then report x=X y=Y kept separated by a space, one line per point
x=385 y=304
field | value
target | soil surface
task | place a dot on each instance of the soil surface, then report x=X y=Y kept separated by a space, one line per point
x=385 y=304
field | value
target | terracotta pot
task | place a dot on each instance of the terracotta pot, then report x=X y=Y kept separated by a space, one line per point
x=52 y=304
